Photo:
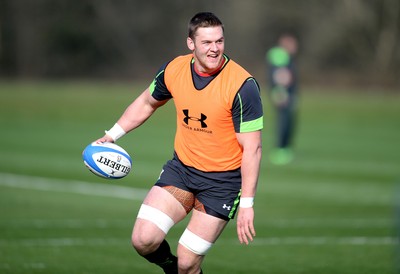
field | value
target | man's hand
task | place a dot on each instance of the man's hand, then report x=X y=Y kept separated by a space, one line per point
x=105 y=139
x=245 y=225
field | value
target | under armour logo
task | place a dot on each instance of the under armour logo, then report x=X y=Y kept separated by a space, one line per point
x=201 y=119
x=226 y=207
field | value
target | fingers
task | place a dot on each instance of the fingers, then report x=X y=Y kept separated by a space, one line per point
x=245 y=226
x=104 y=139
x=246 y=234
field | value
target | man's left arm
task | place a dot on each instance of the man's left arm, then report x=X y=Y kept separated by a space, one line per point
x=252 y=151
x=247 y=114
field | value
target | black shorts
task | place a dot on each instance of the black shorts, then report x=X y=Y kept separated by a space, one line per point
x=219 y=192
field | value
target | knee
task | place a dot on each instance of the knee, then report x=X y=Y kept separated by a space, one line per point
x=188 y=264
x=143 y=243
x=191 y=252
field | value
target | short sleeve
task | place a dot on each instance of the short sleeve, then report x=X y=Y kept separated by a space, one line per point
x=247 y=109
x=157 y=88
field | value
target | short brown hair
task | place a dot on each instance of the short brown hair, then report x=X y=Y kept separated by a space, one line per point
x=203 y=20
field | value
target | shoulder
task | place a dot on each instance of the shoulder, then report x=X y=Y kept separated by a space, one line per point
x=177 y=65
x=175 y=61
x=234 y=66
x=247 y=109
x=179 y=60
x=250 y=85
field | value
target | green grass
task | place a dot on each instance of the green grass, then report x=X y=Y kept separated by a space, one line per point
x=330 y=211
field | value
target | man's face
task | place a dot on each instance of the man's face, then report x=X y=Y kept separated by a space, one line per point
x=208 y=48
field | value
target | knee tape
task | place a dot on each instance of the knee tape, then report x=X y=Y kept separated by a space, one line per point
x=156 y=216
x=194 y=243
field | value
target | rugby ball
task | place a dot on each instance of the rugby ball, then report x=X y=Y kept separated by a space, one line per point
x=107 y=160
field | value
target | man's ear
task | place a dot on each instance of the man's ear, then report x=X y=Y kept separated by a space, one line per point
x=190 y=43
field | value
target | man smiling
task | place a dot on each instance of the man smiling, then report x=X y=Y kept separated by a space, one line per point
x=217 y=150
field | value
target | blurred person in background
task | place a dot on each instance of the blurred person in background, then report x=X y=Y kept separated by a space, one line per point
x=283 y=93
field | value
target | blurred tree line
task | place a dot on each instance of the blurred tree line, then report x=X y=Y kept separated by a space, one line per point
x=341 y=41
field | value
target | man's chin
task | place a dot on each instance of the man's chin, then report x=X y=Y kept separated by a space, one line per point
x=213 y=64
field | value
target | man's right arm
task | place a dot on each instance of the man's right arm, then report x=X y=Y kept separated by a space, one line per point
x=141 y=108
x=134 y=115
x=139 y=111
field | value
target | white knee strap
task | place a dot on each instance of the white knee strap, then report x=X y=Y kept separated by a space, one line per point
x=194 y=243
x=156 y=216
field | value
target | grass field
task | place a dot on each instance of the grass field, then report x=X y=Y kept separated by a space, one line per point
x=331 y=211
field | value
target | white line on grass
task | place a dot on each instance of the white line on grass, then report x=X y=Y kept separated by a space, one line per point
x=326 y=241
x=267 y=241
x=66 y=223
x=71 y=186
x=123 y=192
x=274 y=223
x=330 y=222
x=116 y=191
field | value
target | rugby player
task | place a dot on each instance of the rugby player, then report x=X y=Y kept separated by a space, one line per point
x=217 y=151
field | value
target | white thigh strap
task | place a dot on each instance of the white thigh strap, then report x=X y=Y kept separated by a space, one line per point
x=194 y=243
x=156 y=216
